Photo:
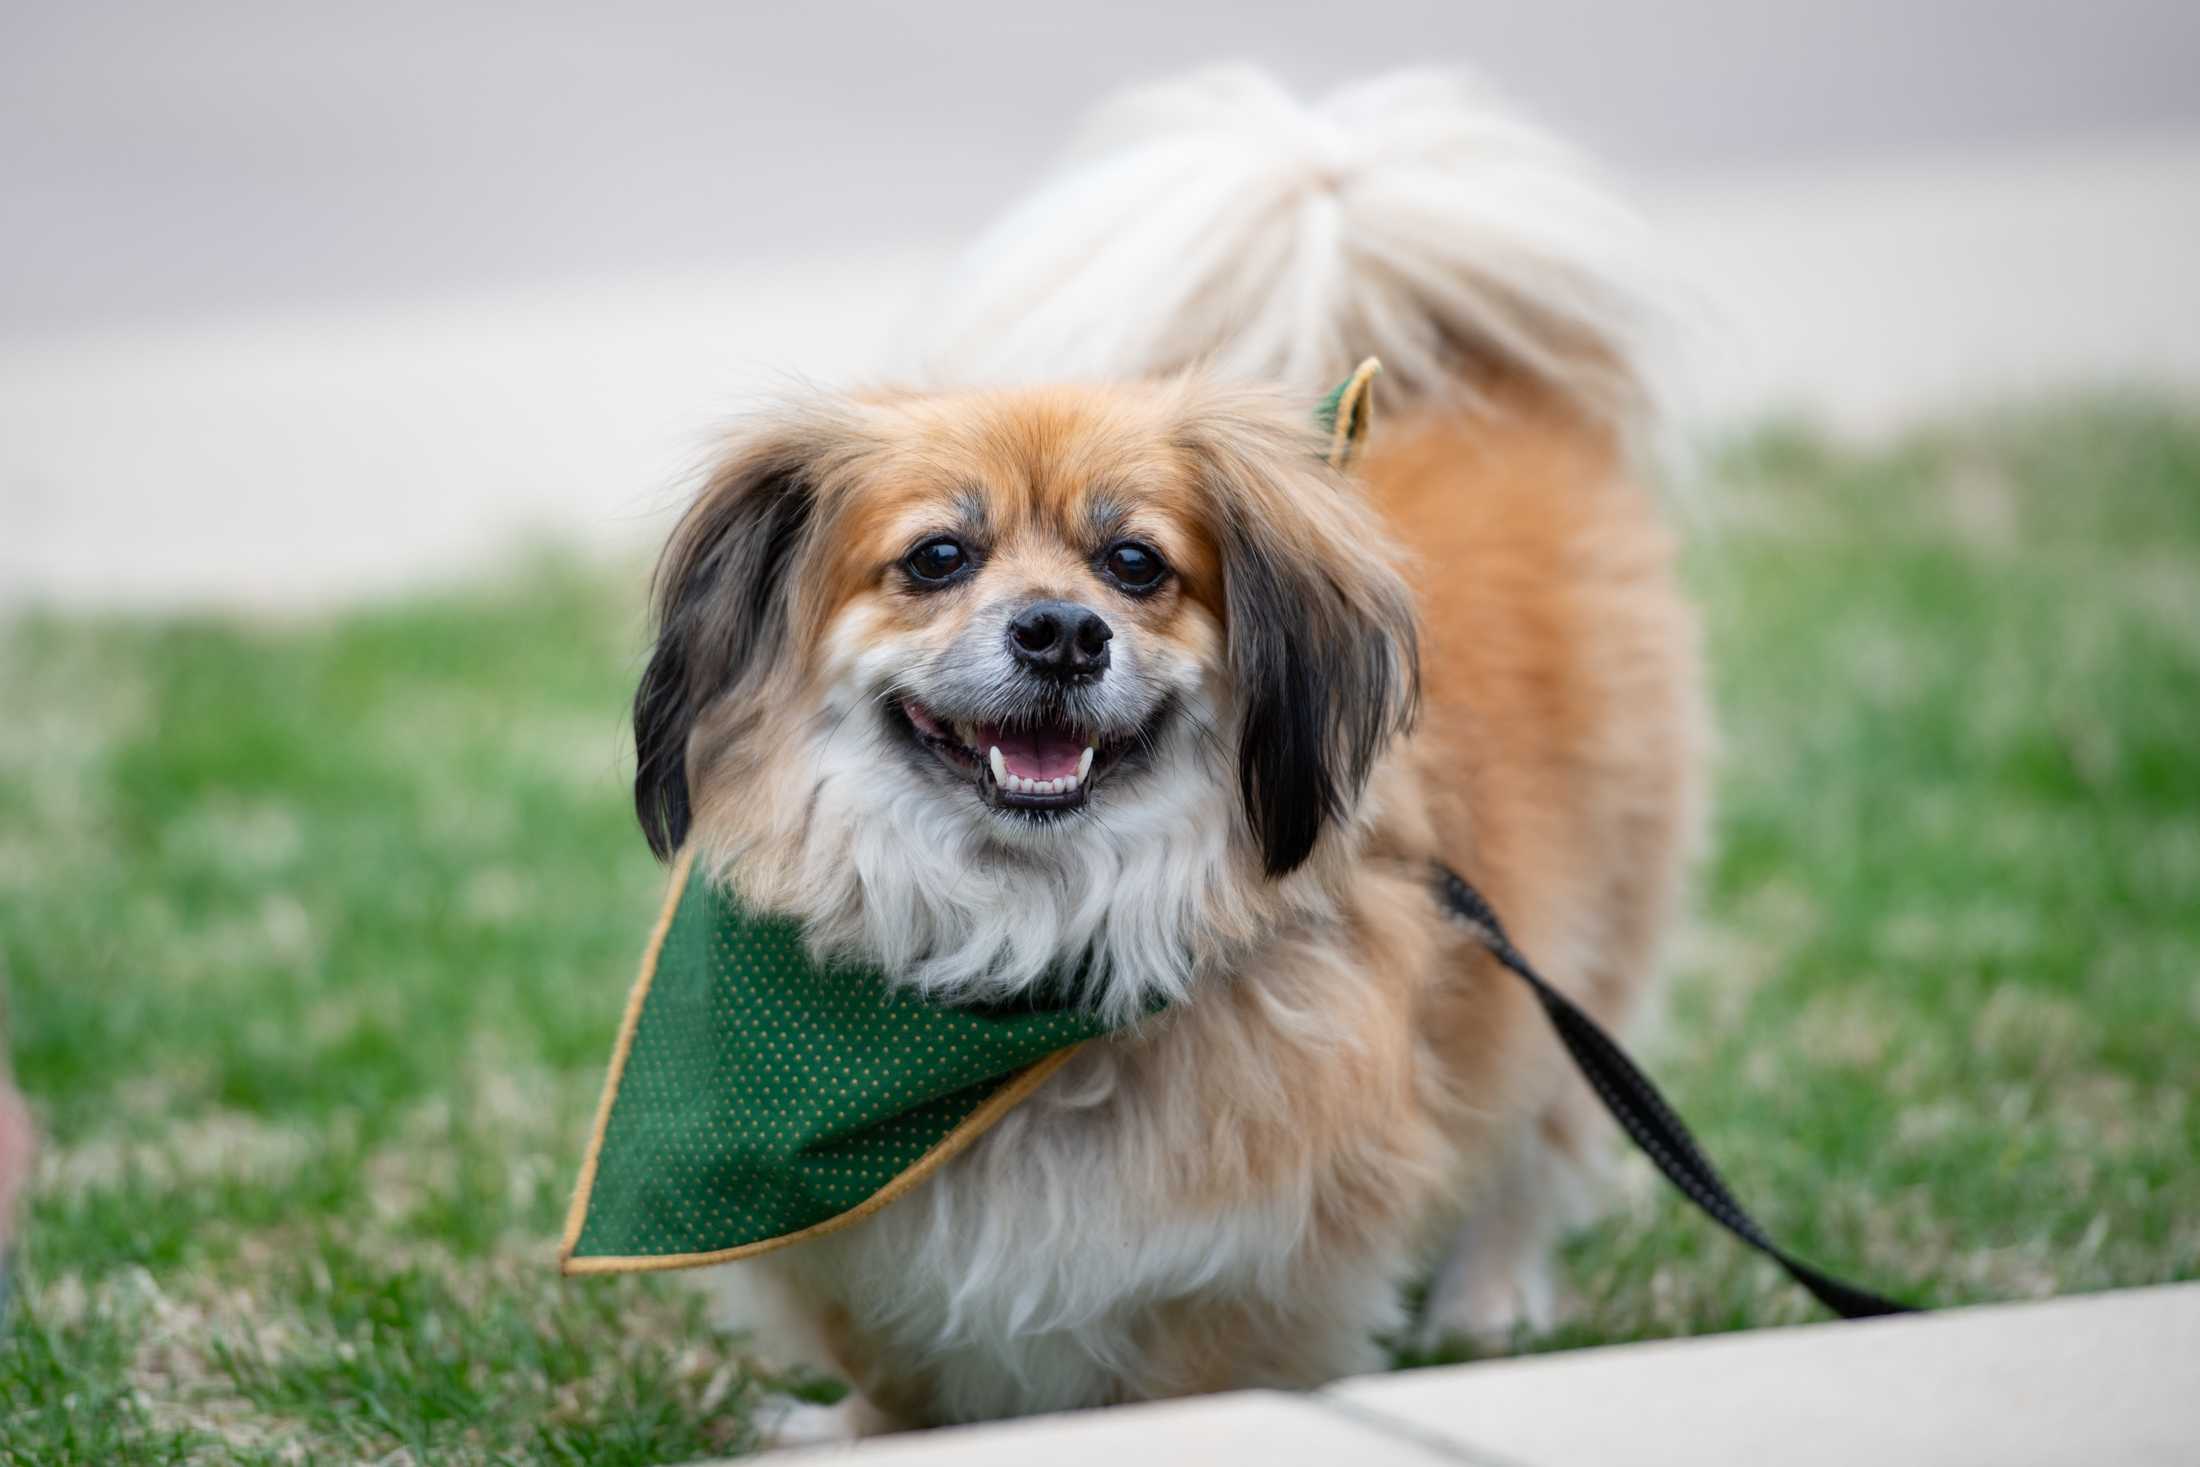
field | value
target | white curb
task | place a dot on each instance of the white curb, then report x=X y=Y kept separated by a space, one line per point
x=2105 y=1378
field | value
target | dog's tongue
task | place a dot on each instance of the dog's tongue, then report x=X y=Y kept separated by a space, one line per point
x=1034 y=753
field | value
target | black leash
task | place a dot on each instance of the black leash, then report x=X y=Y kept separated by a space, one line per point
x=1643 y=1114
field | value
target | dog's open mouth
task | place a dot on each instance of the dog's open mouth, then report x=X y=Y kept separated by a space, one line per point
x=1045 y=765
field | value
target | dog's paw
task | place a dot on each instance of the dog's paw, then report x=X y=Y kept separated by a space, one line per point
x=1491 y=1309
x=785 y=1422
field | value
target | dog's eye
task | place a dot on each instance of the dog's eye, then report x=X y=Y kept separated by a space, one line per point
x=1135 y=567
x=938 y=560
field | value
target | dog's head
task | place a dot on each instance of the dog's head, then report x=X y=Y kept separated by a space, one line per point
x=1025 y=621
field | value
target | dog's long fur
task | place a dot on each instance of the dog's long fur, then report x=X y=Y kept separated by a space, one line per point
x=1467 y=650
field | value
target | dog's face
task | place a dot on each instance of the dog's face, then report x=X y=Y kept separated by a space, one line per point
x=1021 y=623
x=1030 y=627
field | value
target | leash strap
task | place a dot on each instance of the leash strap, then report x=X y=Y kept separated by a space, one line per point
x=1644 y=1115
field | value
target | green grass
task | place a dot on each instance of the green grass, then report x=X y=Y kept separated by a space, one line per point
x=316 y=935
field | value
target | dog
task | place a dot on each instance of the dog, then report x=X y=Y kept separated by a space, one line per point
x=1080 y=652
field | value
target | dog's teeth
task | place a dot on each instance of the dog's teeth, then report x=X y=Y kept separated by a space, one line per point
x=968 y=733
x=1017 y=784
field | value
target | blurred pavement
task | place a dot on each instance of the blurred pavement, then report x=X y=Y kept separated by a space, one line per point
x=303 y=302
x=2094 y=1378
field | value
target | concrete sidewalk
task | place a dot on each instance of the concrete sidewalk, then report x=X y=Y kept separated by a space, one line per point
x=2109 y=1378
x=295 y=460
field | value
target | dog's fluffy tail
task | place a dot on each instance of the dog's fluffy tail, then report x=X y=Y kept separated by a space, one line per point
x=1216 y=221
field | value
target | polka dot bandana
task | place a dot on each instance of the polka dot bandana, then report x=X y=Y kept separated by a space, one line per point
x=756 y=1099
x=1349 y=410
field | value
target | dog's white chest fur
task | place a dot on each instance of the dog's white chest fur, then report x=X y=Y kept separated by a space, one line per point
x=1019 y=1277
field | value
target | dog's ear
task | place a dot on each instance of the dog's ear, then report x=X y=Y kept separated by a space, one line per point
x=723 y=599
x=1323 y=649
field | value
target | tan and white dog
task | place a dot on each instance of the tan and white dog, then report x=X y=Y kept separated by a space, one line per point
x=1089 y=657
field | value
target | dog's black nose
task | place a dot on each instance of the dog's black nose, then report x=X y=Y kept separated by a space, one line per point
x=1060 y=639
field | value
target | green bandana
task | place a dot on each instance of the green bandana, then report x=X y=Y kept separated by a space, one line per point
x=756 y=1099
x=1349 y=411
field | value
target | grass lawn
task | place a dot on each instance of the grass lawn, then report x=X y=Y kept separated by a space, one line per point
x=315 y=937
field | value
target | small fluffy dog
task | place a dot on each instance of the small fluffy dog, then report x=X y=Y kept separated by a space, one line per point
x=988 y=682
